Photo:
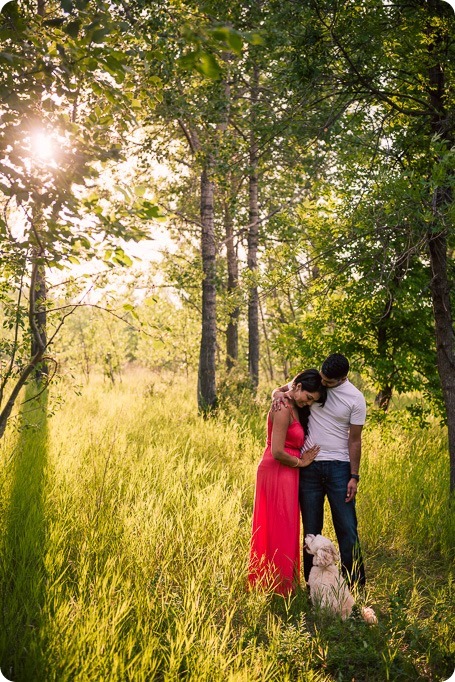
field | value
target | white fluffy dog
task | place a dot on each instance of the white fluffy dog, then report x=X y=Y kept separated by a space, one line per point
x=328 y=588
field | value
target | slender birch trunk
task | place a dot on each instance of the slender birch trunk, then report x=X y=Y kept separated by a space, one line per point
x=39 y=339
x=38 y=311
x=207 y=398
x=269 y=363
x=232 y=333
x=253 y=233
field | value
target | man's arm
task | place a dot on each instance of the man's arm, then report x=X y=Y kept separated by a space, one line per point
x=355 y=451
x=279 y=397
x=280 y=389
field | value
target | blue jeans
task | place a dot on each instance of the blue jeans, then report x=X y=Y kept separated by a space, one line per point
x=317 y=480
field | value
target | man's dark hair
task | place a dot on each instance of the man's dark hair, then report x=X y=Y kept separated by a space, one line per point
x=336 y=366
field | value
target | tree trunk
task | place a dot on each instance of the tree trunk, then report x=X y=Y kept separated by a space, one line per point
x=267 y=344
x=38 y=311
x=35 y=359
x=445 y=337
x=207 y=398
x=437 y=249
x=384 y=396
x=40 y=294
x=232 y=333
x=253 y=231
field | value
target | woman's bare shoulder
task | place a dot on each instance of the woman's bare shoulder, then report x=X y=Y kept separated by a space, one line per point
x=280 y=416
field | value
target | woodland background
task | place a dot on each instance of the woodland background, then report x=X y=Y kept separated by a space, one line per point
x=199 y=199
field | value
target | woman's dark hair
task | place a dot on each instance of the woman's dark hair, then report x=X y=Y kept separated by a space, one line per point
x=310 y=380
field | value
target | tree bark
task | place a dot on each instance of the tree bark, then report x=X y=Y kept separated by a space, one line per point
x=39 y=315
x=383 y=398
x=40 y=345
x=384 y=395
x=438 y=249
x=232 y=333
x=267 y=344
x=253 y=232
x=207 y=398
x=445 y=337
x=40 y=294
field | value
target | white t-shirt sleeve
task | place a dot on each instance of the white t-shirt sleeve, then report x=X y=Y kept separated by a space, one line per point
x=359 y=412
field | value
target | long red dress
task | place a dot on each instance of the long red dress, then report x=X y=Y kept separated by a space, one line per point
x=275 y=539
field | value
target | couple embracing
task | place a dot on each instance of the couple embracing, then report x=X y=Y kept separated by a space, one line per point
x=313 y=449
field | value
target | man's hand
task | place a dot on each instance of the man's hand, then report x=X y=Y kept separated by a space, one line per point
x=278 y=399
x=352 y=490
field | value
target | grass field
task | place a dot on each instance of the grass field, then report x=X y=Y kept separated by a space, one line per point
x=125 y=524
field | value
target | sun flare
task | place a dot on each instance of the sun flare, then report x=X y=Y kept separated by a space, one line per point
x=42 y=146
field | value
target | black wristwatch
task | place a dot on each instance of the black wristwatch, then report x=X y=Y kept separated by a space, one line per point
x=356 y=477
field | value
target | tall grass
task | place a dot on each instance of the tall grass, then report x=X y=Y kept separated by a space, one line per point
x=126 y=522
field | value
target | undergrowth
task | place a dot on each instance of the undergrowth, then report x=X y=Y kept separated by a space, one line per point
x=125 y=522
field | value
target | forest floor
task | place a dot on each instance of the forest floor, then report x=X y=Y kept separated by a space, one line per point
x=125 y=525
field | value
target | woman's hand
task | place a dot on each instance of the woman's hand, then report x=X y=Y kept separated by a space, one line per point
x=309 y=455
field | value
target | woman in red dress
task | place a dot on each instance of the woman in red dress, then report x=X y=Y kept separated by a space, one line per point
x=275 y=540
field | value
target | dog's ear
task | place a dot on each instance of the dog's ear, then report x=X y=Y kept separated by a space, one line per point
x=309 y=539
x=323 y=557
x=335 y=554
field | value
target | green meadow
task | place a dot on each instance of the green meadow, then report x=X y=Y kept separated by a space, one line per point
x=125 y=522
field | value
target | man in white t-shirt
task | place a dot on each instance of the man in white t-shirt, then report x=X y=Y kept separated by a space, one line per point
x=336 y=427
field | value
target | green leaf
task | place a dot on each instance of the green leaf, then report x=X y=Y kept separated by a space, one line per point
x=256 y=39
x=54 y=22
x=121 y=258
x=235 y=42
x=66 y=5
x=85 y=242
x=207 y=65
x=72 y=29
x=188 y=60
x=125 y=191
x=5 y=56
x=115 y=67
x=99 y=35
x=151 y=211
x=220 y=33
x=228 y=37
